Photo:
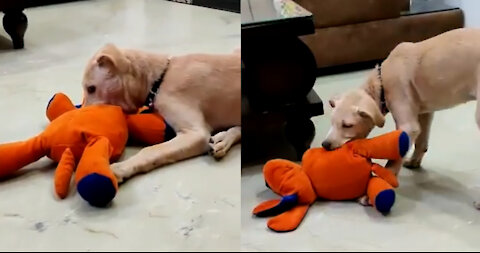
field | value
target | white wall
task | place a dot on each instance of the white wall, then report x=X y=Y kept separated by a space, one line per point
x=471 y=10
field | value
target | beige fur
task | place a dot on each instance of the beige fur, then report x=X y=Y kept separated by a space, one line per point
x=200 y=94
x=418 y=79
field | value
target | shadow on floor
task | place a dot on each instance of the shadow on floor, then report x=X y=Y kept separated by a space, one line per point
x=44 y=166
x=429 y=182
x=5 y=44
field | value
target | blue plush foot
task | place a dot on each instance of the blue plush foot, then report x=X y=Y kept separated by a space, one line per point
x=96 y=189
x=287 y=203
x=403 y=144
x=384 y=201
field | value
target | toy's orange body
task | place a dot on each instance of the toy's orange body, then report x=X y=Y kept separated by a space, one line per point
x=74 y=130
x=87 y=139
x=77 y=128
x=342 y=174
x=345 y=173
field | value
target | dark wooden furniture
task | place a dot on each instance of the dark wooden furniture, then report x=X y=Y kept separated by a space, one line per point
x=14 y=21
x=278 y=72
x=36 y=3
x=227 y=5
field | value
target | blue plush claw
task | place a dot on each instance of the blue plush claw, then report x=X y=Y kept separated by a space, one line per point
x=96 y=189
x=403 y=144
x=50 y=101
x=287 y=203
x=384 y=201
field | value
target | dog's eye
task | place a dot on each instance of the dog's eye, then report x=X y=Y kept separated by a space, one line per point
x=347 y=125
x=91 y=89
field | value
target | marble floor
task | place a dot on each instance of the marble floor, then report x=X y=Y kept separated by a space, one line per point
x=191 y=205
x=433 y=210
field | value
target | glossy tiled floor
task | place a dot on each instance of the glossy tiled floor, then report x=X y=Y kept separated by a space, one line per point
x=195 y=204
x=189 y=205
x=433 y=210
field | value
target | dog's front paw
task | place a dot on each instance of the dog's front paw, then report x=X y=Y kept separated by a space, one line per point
x=363 y=201
x=412 y=163
x=218 y=145
x=121 y=171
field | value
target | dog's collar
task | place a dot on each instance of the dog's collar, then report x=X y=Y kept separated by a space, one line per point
x=156 y=85
x=383 y=103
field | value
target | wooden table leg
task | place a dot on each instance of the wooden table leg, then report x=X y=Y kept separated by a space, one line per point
x=279 y=70
x=300 y=132
x=15 y=23
x=277 y=79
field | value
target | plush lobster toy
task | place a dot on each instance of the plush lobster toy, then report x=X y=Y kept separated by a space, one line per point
x=343 y=174
x=87 y=139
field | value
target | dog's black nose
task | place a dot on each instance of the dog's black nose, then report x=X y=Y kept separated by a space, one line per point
x=327 y=145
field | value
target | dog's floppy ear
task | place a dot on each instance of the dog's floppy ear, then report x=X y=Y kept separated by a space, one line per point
x=111 y=58
x=333 y=101
x=106 y=61
x=369 y=109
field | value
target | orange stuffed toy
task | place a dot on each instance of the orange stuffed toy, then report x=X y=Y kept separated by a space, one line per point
x=144 y=127
x=88 y=138
x=341 y=174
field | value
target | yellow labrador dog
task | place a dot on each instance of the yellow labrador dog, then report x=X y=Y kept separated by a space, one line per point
x=414 y=81
x=197 y=94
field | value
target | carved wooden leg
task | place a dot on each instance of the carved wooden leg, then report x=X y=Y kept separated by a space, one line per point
x=300 y=132
x=15 y=24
